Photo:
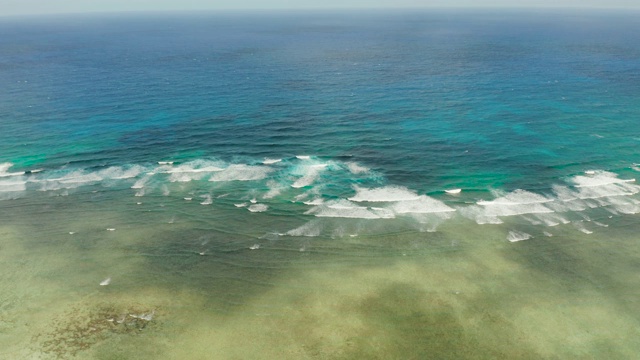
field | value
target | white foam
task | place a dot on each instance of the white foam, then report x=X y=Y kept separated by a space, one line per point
x=193 y=170
x=141 y=182
x=240 y=205
x=119 y=172
x=105 y=282
x=310 y=229
x=275 y=189
x=422 y=205
x=384 y=194
x=551 y=219
x=515 y=236
x=383 y=213
x=6 y=166
x=316 y=201
x=258 y=208
x=356 y=169
x=603 y=189
x=518 y=202
x=70 y=180
x=268 y=161
x=254 y=247
x=517 y=197
x=12 y=185
x=453 y=191
x=599 y=178
x=546 y=233
x=303 y=157
x=310 y=174
x=580 y=226
x=207 y=200
x=241 y=172
x=479 y=214
x=165 y=162
x=346 y=209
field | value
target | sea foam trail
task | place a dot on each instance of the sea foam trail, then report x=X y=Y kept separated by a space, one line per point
x=421 y=205
x=4 y=167
x=566 y=202
x=346 y=209
x=384 y=194
x=190 y=171
x=242 y=172
x=518 y=202
x=309 y=175
x=13 y=185
x=515 y=236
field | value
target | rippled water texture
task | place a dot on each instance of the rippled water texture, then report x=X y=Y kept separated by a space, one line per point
x=320 y=186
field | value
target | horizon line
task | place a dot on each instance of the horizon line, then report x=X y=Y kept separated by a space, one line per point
x=321 y=9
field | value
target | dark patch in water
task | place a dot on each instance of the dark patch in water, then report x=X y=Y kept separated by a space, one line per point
x=82 y=329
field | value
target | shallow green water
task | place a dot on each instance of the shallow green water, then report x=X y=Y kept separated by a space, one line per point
x=461 y=292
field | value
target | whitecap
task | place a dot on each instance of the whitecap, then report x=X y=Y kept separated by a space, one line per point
x=105 y=282
x=310 y=174
x=303 y=157
x=258 y=208
x=207 y=200
x=580 y=226
x=139 y=184
x=518 y=202
x=421 y=205
x=310 y=229
x=13 y=185
x=316 y=201
x=515 y=236
x=384 y=194
x=6 y=166
x=120 y=173
x=70 y=180
x=268 y=161
x=193 y=170
x=346 y=209
x=241 y=172
x=275 y=189
x=453 y=191
x=356 y=169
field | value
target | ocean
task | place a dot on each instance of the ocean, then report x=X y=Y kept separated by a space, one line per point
x=433 y=184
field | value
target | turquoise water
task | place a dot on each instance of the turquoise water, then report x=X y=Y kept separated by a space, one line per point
x=326 y=185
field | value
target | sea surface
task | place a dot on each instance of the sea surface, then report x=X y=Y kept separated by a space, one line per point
x=320 y=185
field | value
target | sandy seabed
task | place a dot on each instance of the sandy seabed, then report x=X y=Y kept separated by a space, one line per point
x=176 y=287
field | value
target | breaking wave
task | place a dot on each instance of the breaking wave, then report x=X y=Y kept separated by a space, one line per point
x=332 y=189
